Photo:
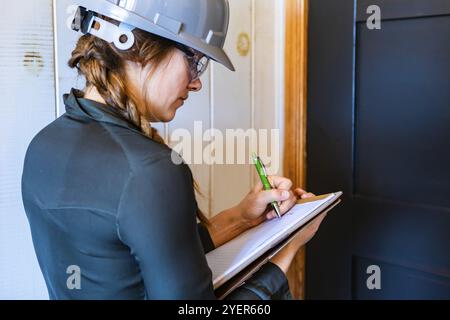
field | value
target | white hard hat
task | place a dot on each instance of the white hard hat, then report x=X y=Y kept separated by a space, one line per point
x=199 y=24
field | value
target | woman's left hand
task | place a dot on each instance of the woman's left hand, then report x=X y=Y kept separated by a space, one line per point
x=255 y=209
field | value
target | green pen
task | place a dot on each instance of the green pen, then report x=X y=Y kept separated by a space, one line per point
x=265 y=181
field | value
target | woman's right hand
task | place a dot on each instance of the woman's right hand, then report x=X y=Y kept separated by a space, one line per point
x=284 y=258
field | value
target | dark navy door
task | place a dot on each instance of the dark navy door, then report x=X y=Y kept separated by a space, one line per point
x=379 y=130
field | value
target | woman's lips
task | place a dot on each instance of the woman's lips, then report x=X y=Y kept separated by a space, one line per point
x=183 y=100
x=180 y=102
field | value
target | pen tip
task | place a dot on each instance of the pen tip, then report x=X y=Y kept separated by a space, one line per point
x=277 y=210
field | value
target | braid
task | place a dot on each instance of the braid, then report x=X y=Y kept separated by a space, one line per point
x=105 y=76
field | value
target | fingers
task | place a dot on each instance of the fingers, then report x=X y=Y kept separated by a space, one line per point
x=283 y=183
x=269 y=196
x=302 y=194
x=280 y=196
x=286 y=200
x=289 y=203
x=258 y=187
x=280 y=182
x=284 y=207
x=276 y=182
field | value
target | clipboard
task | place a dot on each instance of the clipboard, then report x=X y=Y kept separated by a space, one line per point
x=237 y=280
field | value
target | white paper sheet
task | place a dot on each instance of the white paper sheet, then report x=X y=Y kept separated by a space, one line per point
x=230 y=258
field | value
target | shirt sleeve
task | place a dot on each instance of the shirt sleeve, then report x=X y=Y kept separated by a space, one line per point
x=269 y=283
x=205 y=237
x=157 y=221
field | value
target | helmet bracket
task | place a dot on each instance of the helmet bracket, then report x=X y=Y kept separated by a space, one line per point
x=88 y=22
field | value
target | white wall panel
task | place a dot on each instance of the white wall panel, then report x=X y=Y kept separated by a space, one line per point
x=27 y=89
x=252 y=97
x=232 y=105
x=269 y=74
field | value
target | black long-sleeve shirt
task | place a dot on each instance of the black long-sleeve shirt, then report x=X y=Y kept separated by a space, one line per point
x=101 y=196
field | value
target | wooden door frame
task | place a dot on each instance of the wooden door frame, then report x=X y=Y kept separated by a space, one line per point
x=294 y=164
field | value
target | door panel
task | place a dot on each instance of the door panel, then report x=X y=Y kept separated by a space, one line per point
x=402 y=111
x=398 y=282
x=381 y=113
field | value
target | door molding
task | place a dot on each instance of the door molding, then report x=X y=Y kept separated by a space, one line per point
x=294 y=163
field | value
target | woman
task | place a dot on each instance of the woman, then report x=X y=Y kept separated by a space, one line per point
x=100 y=190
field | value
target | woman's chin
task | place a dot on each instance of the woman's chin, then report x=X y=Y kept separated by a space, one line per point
x=163 y=118
x=169 y=116
x=173 y=111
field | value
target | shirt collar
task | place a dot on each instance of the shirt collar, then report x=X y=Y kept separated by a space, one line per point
x=77 y=106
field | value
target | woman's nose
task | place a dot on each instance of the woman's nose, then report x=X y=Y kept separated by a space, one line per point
x=195 y=85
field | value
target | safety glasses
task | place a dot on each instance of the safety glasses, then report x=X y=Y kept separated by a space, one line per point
x=198 y=62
